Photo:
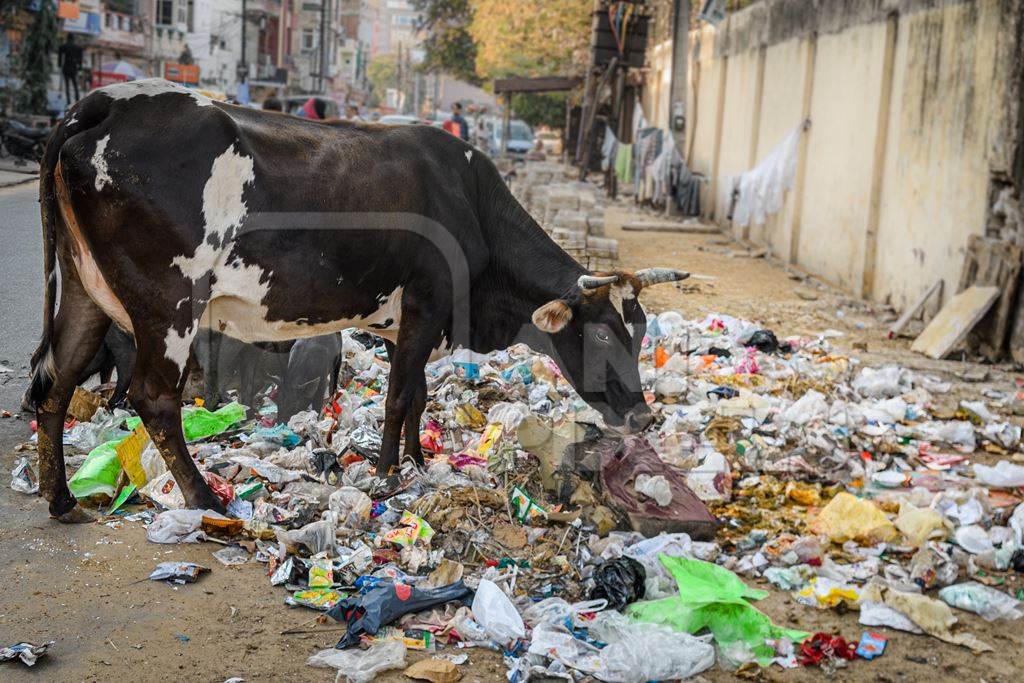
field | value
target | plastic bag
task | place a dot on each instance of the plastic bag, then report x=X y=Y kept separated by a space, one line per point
x=620 y=581
x=655 y=487
x=989 y=603
x=99 y=472
x=496 y=613
x=349 y=504
x=23 y=479
x=712 y=597
x=361 y=666
x=1005 y=474
x=973 y=539
x=810 y=407
x=316 y=537
x=178 y=572
x=380 y=606
x=179 y=526
x=847 y=517
x=920 y=525
x=199 y=423
x=638 y=652
x=884 y=382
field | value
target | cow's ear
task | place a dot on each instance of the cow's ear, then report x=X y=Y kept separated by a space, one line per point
x=553 y=316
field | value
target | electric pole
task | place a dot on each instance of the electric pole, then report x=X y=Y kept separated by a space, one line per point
x=243 y=65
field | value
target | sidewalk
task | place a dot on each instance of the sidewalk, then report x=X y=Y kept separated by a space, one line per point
x=12 y=173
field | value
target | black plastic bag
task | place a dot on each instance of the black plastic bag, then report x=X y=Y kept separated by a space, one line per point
x=764 y=341
x=620 y=581
x=386 y=603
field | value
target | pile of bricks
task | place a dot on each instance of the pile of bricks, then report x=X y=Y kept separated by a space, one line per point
x=572 y=212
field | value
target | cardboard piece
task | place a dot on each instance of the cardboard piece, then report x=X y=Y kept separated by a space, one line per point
x=84 y=404
x=955 y=321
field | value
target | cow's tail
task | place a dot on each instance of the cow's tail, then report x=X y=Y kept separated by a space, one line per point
x=84 y=115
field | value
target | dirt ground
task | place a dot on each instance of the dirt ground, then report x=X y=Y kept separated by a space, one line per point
x=85 y=587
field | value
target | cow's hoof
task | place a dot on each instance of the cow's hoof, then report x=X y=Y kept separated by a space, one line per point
x=75 y=515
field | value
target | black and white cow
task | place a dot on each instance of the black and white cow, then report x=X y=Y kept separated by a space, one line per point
x=167 y=211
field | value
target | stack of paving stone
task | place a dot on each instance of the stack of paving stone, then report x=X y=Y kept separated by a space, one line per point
x=572 y=212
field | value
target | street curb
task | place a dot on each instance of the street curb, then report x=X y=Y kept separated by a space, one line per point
x=16 y=183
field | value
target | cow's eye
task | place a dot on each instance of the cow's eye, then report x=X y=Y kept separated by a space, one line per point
x=602 y=336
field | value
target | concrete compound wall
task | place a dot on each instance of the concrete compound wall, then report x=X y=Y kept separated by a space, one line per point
x=913 y=109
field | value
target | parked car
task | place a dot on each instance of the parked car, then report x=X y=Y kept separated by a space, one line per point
x=550 y=141
x=401 y=119
x=520 y=138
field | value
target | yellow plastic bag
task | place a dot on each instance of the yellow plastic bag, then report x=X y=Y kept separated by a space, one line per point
x=920 y=525
x=847 y=517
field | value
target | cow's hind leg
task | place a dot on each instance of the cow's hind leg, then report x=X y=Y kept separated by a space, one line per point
x=78 y=332
x=417 y=404
x=155 y=394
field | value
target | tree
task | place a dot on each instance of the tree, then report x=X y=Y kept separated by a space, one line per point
x=530 y=37
x=540 y=108
x=382 y=73
x=447 y=44
x=40 y=40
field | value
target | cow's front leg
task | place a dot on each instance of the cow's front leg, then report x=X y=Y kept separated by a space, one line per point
x=155 y=394
x=407 y=385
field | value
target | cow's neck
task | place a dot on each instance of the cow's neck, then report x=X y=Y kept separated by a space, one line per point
x=526 y=269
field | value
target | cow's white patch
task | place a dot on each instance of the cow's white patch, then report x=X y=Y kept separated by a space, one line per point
x=224 y=210
x=72 y=119
x=99 y=162
x=616 y=294
x=151 y=87
x=469 y=155
x=178 y=345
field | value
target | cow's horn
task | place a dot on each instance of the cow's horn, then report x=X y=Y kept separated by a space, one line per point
x=654 y=276
x=594 y=281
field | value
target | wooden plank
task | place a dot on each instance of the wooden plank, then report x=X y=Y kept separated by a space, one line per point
x=539 y=84
x=955 y=321
x=914 y=309
x=669 y=226
x=997 y=263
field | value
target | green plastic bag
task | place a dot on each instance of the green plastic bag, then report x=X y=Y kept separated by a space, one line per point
x=714 y=598
x=200 y=423
x=98 y=474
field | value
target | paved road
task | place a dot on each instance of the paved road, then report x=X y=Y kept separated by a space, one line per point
x=21 y=299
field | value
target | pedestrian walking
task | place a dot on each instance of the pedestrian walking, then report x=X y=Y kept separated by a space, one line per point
x=69 y=58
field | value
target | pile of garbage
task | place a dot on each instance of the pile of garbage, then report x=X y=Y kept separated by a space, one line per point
x=535 y=532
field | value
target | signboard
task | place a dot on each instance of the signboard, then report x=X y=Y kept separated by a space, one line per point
x=182 y=73
x=102 y=78
x=87 y=23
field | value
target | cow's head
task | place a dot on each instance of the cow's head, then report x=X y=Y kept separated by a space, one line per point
x=597 y=330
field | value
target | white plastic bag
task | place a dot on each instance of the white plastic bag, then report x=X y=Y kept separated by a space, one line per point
x=315 y=536
x=1005 y=474
x=973 y=539
x=640 y=651
x=496 y=613
x=989 y=603
x=361 y=666
x=655 y=487
x=179 y=526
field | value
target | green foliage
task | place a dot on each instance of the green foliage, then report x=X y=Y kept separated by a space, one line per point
x=447 y=43
x=540 y=108
x=382 y=73
x=40 y=41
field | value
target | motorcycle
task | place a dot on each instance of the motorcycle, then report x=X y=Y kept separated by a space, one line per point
x=21 y=141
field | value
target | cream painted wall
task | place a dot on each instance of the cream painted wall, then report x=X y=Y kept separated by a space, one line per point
x=840 y=151
x=781 y=111
x=948 y=128
x=947 y=110
x=738 y=125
